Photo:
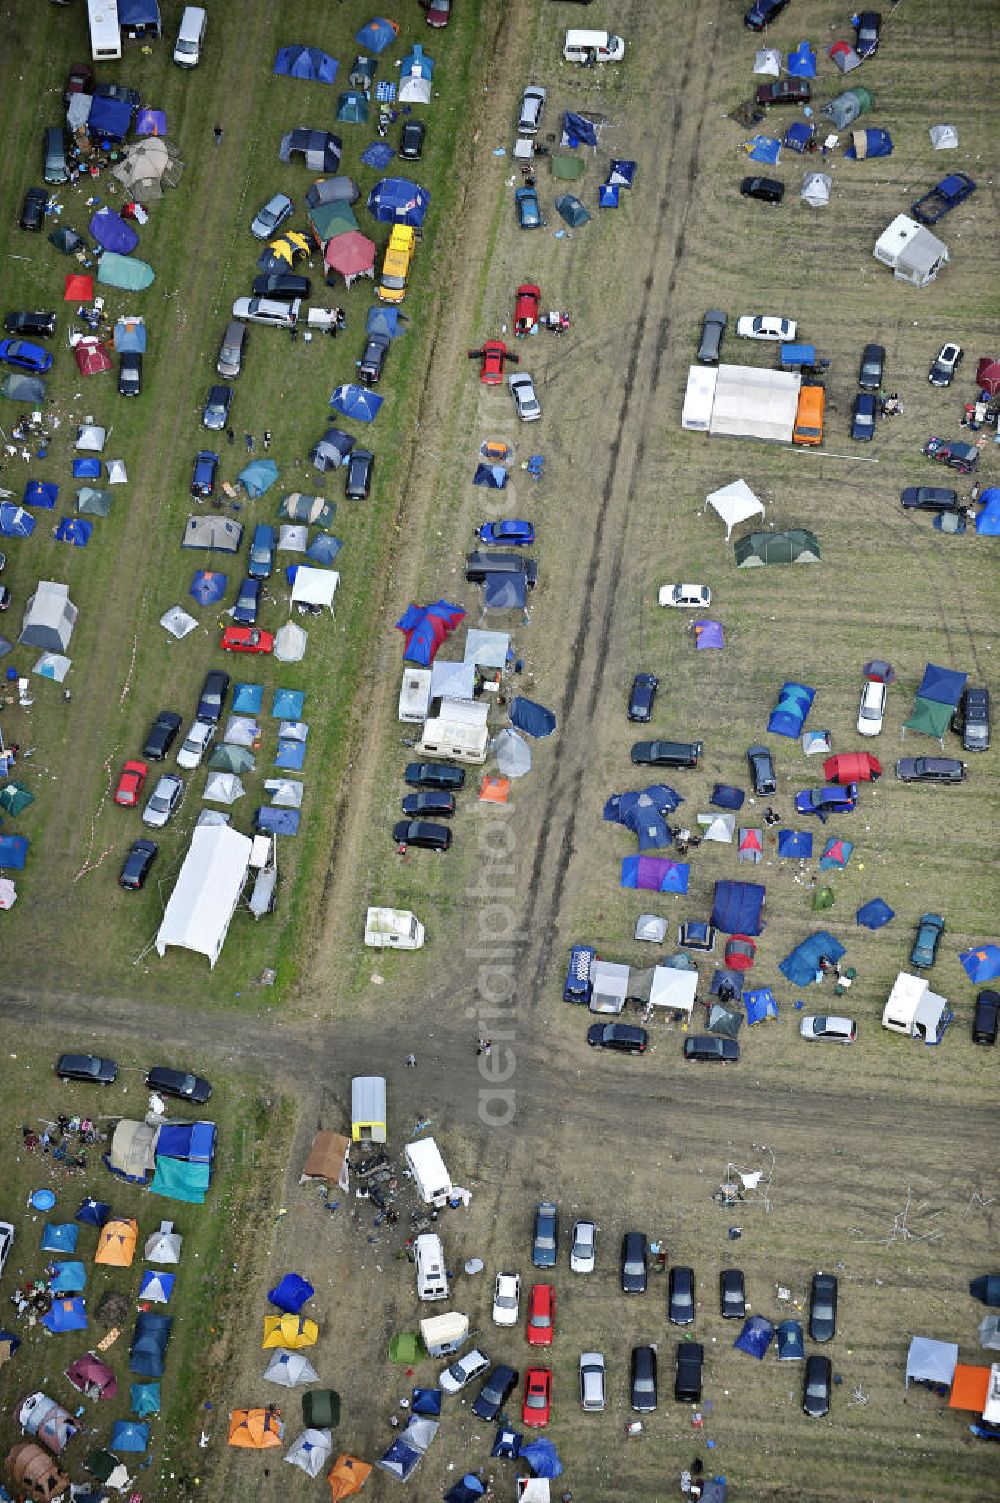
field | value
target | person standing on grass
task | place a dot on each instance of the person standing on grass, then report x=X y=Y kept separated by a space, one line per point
x=218 y=135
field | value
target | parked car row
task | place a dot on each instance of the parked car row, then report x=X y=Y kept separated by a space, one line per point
x=163 y=1079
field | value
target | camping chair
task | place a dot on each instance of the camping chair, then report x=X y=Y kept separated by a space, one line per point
x=843 y=985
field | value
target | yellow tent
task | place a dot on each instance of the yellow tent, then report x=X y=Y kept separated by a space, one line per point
x=116 y=1244
x=348 y=1477
x=291 y=1331
x=255 y=1429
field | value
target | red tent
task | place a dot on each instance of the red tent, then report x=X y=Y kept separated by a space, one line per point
x=740 y=951
x=91 y=357
x=79 y=289
x=988 y=374
x=852 y=767
x=351 y=254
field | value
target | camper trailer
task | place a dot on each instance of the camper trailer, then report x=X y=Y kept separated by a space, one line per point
x=459 y=732
x=368 y=1111
x=444 y=1334
x=415 y=695
x=430 y=1173
x=914 y=1009
x=914 y=254
x=428 y=1258
x=105 y=33
x=393 y=929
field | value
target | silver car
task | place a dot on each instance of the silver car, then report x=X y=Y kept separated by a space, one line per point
x=532 y=109
x=230 y=361
x=592 y=1397
x=164 y=801
x=272 y=216
x=263 y=310
x=837 y=1030
x=583 y=1249
x=196 y=743
x=526 y=403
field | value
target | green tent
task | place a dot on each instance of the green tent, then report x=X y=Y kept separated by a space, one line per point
x=320 y=1409
x=296 y=507
x=126 y=272
x=794 y=546
x=93 y=503
x=569 y=207
x=406 y=1347
x=176 y=1179
x=929 y=717
x=566 y=167
x=101 y=1464
x=14 y=797
x=822 y=898
x=333 y=219
x=227 y=758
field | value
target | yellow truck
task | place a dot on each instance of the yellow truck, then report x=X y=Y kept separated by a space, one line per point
x=396 y=266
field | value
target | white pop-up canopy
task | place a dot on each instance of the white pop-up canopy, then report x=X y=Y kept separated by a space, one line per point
x=673 y=988
x=314 y=586
x=206 y=892
x=930 y=1361
x=735 y=503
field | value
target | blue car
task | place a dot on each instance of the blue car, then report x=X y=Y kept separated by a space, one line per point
x=529 y=215
x=863 y=417
x=508 y=533
x=925 y=946
x=261 y=552
x=203 y=476
x=248 y=602
x=830 y=798
x=545 y=1242
x=578 y=986
x=25 y=355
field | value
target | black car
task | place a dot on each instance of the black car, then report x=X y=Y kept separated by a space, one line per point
x=162 y=735
x=358 y=479
x=762 y=773
x=55 y=169
x=872 y=368
x=203 y=475
x=213 y=696
x=985 y=1018
x=434 y=775
x=33 y=209
x=621 y=1036
x=762 y=13
x=286 y=286
x=178 y=1083
x=135 y=868
x=680 y=1299
x=421 y=833
x=785 y=91
x=732 y=1294
x=411 y=140
x=495 y=1392
x=436 y=801
x=87 y=1067
x=642 y=697
x=957 y=456
x=823 y=1307
x=711 y=1046
x=816 y=1387
x=41 y=325
x=768 y=189
x=215 y=413
x=972 y=719
x=687 y=1377
x=666 y=753
x=634 y=1254
x=545 y=1235
x=642 y=1379
x=945 y=364
x=863 y=415
x=129 y=373
x=930 y=770
x=867 y=29
x=929 y=498
x=713 y=326
x=372 y=362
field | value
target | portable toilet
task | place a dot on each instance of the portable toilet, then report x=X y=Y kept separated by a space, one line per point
x=368 y=1114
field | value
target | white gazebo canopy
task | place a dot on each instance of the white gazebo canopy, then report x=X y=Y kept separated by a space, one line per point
x=735 y=503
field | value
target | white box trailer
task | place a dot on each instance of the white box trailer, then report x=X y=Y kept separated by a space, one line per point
x=459 y=731
x=393 y=929
x=913 y=1008
x=105 y=33
x=368 y=1109
x=914 y=254
x=609 y=981
x=699 y=398
x=415 y=695
x=444 y=1334
x=430 y=1173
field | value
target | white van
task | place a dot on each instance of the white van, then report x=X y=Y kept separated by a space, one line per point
x=593 y=47
x=190 y=35
x=430 y=1173
x=428 y=1256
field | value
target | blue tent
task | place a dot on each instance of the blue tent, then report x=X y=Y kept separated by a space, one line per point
x=798 y=135
x=87 y=469
x=943 y=685
x=193 y=1141
x=156 y=1287
x=507 y=1444
x=619 y=806
x=494 y=476
x=531 y=718
x=291 y=1293
x=145 y=1399
x=59 y=1237
x=399 y=1459
x=129 y=1435
x=288 y=705
x=268 y=821
x=139 y=16
x=395 y=200
x=40 y=493
x=988 y=520
x=356 y=402
x=654 y=874
x=110 y=231
x=987 y=1289
x=505 y=592
x=291 y=755
x=836 y=854
x=789 y=714
x=577 y=130
x=643 y=814
x=248 y=699
x=569 y=208
x=307 y=63
x=207 y=586
x=981 y=963
x=607 y=196
x=791 y=1347
x=352 y=107
x=130 y=334
x=875 y=914
x=725 y=797
x=737 y=907
x=258 y=477
x=390 y=321
x=150 y=122
x=68 y=1278
x=75 y=530
x=795 y=843
x=376 y=35
x=763 y=149
x=149 y=1344
x=874 y=143
x=801 y=966
x=15 y=522
x=755 y=1337
x=760 y=1005
x=542 y=1457
x=466 y=1491
x=111 y=118
x=426 y=1401
x=323 y=549
x=68 y=1314
x=378 y=155
x=621 y=174
x=802 y=62
x=417 y=63
x=14 y=854
x=93 y=1212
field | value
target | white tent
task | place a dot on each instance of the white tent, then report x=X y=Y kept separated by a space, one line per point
x=991 y=1409
x=311 y=1451
x=487 y=649
x=290 y=641
x=930 y=1361
x=164 y=1246
x=720 y=826
x=206 y=892
x=816 y=189
x=651 y=927
x=609 y=980
x=290 y=1369
x=944 y=137
x=453 y=680
x=117 y=473
x=90 y=437
x=214 y=817
x=223 y=788
x=293 y=730
x=53 y=665
x=49 y=617
x=292 y=538
x=672 y=988
x=414 y=90
x=241 y=730
x=178 y=622
x=767 y=62
x=735 y=503
x=754 y=402
x=314 y=586
x=286 y=793
x=989 y=1331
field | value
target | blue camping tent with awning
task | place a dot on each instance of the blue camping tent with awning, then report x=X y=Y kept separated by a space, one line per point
x=737 y=907
x=307 y=63
x=111 y=118
x=129 y=1435
x=397 y=200
x=801 y=965
x=789 y=714
x=68 y=1314
x=59 y=1236
x=141 y=17
x=356 y=402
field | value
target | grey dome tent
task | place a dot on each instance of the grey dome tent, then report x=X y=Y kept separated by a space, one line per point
x=93 y=503
x=816 y=189
x=846 y=107
x=297 y=507
x=320 y=149
x=213 y=531
x=332 y=190
x=569 y=207
x=795 y=546
x=18 y=386
x=49 y=618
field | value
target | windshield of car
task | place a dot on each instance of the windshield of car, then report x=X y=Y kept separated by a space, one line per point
x=634 y=1263
x=540 y=1318
x=536 y=1398
x=506 y=1297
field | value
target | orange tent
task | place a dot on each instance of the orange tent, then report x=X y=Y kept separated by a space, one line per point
x=255 y=1429
x=116 y=1244
x=36 y=1472
x=494 y=790
x=291 y=1331
x=348 y=1477
x=969 y=1388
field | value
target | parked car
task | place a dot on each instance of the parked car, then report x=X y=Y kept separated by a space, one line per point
x=762 y=773
x=642 y=1379
x=433 y=801
x=87 y=1067
x=985 y=1018
x=762 y=13
x=231 y=351
x=526 y=305
x=422 y=834
x=867 y=30
x=957 y=456
x=526 y=403
x=437 y=13
x=871 y=710
x=529 y=215
x=178 y=1084
x=248 y=602
x=578 y=986
x=765 y=326
x=411 y=140
x=434 y=775
x=541 y=1315
x=633 y=1263
x=246 y=639
x=33 y=207
x=506 y=1299
x=129 y=373
x=623 y=1037
x=972 y=718
x=823 y=1307
x=56 y=170
x=41 y=324
x=583 y=1248
x=929 y=498
x=213 y=696
x=872 y=371
x=829 y=798
x=206 y=463
x=493 y=356
x=666 y=753
x=687 y=1375
x=282 y=286
x=215 y=413
x=495 y=1392
x=925 y=947
x=532 y=109
x=197 y=741
x=537 y=1406
x=267 y=310
x=688 y=597
x=816 y=1386
x=930 y=770
x=25 y=356
x=784 y=91
x=680 y=1297
x=709 y=1046
x=511 y=532
x=837 y=1030
x=162 y=735
x=6 y=1242
x=768 y=190
x=358 y=474
x=941 y=199
x=545 y=1241
x=642 y=697
x=268 y=220
x=863 y=416
x=945 y=364
x=79 y=80
x=130 y=784
x=373 y=358
x=592 y=1388
x=464 y=1370
x=260 y=563
x=164 y=801
x=732 y=1294
x=713 y=326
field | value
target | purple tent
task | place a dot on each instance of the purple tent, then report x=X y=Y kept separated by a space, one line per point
x=110 y=231
x=151 y=123
x=655 y=874
x=708 y=634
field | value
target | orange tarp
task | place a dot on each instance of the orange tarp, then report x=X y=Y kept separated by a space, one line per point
x=348 y=1477
x=116 y=1244
x=969 y=1388
x=255 y=1429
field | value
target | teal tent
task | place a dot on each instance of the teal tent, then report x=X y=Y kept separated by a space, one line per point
x=176 y=1179
x=145 y=1399
x=126 y=272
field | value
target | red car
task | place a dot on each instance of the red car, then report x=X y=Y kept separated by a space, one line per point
x=526 y=308
x=537 y=1406
x=494 y=356
x=246 y=639
x=130 y=783
x=541 y=1315
x=438 y=12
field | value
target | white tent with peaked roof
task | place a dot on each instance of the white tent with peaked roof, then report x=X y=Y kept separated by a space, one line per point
x=207 y=890
x=734 y=503
x=164 y=1246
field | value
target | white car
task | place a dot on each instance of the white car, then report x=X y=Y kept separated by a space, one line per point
x=506 y=1299
x=583 y=1248
x=196 y=743
x=522 y=389
x=464 y=1370
x=592 y=1382
x=764 y=326
x=6 y=1242
x=687 y=596
x=532 y=109
x=837 y=1030
x=872 y=708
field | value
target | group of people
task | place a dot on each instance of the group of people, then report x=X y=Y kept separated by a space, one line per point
x=63 y=1140
x=32 y=1301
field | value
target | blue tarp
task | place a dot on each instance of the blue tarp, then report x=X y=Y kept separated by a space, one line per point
x=291 y=1293
x=356 y=402
x=288 y=704
x=40 y=493
x=376 y=35
x=875 y=914
x=801 y=966
x=207 y=586
x=268 y=821
x=248 y=699
x=492 y=475
x=395 y=200
x=378 y=155
x=531 y=718
x=725 y=797
x=790 y=1345
x=129 y=1435
x=109 y=117
x=15 y=522
x=145 y=1399
x=877 y=143
x=93 y=1212
x=802 y=62
x=763 y=149
x=66 y=1315
x=291 y=755
x=737 y=907
x=69 y=1278
x=258 y=477
x=542 y=1457
x=307 y=63
x=789 y=714
x=760 y=1005
x=507 y=1443
x=943 y=685
x=981 y=963
x=621 y=173
x=59 y=1237
x=755 y=1337
x=87 y=469
x=149 y=1344
x=577 y=130
x=110 y=231
x=426 y=1401
x=795 y=843
x=654 y=874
